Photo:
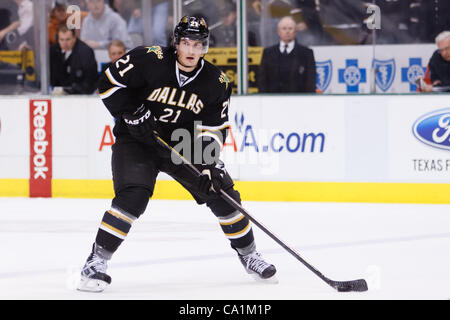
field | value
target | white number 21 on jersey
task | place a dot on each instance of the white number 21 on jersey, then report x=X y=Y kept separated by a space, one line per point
x=225 y=107
x=124 y=61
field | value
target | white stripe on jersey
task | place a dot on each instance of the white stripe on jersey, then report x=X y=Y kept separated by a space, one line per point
x=231 y=220
x=112 y=80
x=108 y=92
x=186 y=81
x=212 y=135
x=214 y=128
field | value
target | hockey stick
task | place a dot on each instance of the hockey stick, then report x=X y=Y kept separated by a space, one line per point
x=342 y=286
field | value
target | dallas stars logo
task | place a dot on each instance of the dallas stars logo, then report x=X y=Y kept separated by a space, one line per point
x=224 y=79
x=156 y=50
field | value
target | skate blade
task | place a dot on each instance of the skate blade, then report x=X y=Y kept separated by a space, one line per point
x=272 y=280
x=91 y=285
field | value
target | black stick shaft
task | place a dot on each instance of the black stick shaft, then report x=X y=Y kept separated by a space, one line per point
x=238 y=206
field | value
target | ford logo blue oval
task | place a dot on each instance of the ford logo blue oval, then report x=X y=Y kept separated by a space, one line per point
x=433 y=129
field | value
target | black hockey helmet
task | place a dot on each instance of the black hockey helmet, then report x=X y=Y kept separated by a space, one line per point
x=194 y=28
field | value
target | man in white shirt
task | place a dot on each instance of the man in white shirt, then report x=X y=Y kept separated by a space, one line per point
x=102 y=25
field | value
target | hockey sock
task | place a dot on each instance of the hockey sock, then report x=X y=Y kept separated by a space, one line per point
x=113 y=229
x=238 y=230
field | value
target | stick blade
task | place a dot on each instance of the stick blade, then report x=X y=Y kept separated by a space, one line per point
x=359 y=285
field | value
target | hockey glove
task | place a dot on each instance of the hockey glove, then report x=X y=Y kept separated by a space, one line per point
x=142 y=125
x=213 y=178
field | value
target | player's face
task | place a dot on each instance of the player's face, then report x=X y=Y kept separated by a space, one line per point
x=189 y=53
x=66 y=40
x=444 y=49
x=116 y=52
x=286 y=30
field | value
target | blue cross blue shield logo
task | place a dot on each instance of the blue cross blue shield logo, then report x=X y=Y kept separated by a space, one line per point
x=413 y=72
x=324 y=72
x=384 y=73
x=352 y=76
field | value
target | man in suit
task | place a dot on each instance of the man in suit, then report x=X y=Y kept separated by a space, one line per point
x=72 y=64
x=287 y=66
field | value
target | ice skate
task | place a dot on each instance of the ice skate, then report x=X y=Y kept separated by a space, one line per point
x=93 y=274
x=260 y=270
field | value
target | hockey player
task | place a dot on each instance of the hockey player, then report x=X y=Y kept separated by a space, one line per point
x=152 y=92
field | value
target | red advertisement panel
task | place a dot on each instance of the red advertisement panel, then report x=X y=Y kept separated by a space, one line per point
x=40 y=148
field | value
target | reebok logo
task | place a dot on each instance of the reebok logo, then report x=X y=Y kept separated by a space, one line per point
x=40 y=148
x=40 y=142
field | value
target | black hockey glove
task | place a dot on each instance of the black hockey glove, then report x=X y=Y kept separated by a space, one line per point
x=213 y=178
x=142 y=125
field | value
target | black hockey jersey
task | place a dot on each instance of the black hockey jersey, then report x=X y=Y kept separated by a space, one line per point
x=150 y=76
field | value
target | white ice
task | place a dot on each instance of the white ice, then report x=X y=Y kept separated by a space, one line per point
x=177 y=250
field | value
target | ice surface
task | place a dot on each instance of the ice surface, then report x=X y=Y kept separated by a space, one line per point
x=177 y=250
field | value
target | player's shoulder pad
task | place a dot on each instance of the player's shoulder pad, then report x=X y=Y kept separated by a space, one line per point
x=155 y=53
x=217 y=76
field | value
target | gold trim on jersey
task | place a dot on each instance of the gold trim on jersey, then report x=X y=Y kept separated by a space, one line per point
x=108 y=92
x=112 y=80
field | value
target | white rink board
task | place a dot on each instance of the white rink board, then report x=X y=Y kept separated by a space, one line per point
x=280 y=150
x=411 y=159
x=78 y=125
x=404 y=62
x=356 y=138
x=14 y=138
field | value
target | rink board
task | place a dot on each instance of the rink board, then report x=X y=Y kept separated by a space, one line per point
x=312 y=148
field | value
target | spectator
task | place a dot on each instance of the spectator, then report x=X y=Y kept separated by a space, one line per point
x=343 y=21
x=270 y=12
x=203 y=8
x=124 y=7
x=439 y=64
x=433 y=18
x=157 y=24
x=79 y=3
x=395 y=20
x=19 y=33
x=8 y=14
x=287 y=66
x=305 y=13
x=224 y=34
x=59 y=17
x=103 y=25
x=72 y=64
x=160 y=14
x=116 y=49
